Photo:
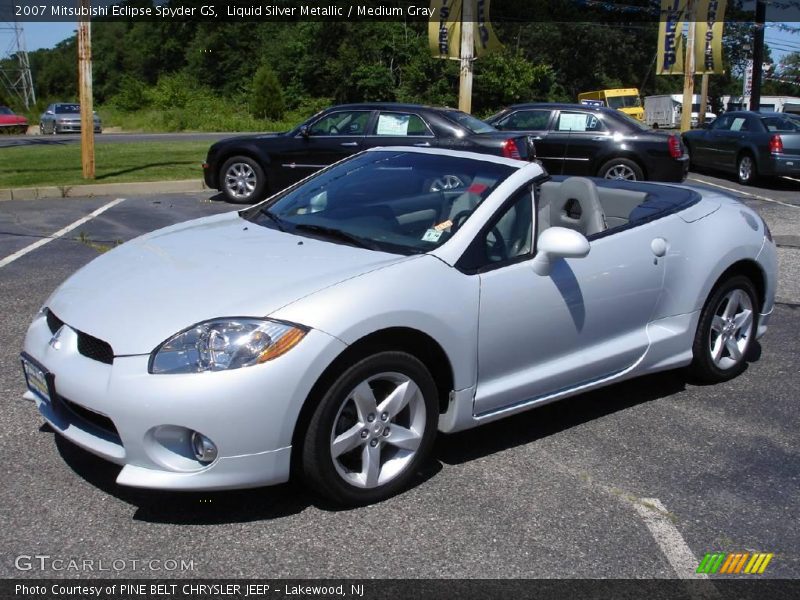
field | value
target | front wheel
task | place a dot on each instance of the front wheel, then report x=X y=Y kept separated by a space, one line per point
x=726 y=331
x=372 y=430
x=242 y=180
x=621 y=168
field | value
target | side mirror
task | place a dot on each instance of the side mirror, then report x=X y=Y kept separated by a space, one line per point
x=304 y=131
x=49 y=112
x=558 y=242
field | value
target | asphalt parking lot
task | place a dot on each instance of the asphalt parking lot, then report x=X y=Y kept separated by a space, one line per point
x=636 y=480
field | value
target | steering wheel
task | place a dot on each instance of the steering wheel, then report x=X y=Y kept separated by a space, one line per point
x=496 y=248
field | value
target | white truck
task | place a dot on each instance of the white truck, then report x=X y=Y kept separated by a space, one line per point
x=665 y=111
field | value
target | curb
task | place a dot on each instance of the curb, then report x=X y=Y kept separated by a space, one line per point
x=103 y=189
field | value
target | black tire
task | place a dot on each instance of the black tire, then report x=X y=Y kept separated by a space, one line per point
x=746 y=169
x=621 y=168
x=703 y=366
x=252 y=185
x=325 y=474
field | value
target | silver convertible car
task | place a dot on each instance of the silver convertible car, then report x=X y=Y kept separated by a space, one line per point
x=331 y=330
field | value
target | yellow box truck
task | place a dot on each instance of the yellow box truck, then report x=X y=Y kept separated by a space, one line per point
x=623 y=99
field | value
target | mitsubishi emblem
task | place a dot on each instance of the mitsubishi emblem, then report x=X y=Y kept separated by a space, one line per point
x=55 y=342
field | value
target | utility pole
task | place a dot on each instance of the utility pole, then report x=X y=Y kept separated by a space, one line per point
x=701 y=114
x=85 y=93
x=688 y=69
x=467 y=50
x=758 y=54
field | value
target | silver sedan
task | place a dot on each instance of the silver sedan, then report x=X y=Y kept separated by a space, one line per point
x=330 y=331
x=65 y=118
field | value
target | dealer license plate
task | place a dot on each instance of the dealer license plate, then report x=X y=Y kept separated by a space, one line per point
x=36 y=378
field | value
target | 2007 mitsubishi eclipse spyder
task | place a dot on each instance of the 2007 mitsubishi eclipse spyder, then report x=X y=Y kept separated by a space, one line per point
x=331 y=330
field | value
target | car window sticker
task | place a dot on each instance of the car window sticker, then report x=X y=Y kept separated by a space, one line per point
x=432 y=235
x=393 y=124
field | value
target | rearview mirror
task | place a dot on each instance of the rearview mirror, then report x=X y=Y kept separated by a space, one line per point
x=558 y=242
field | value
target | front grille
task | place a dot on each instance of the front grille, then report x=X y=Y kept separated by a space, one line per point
x=96 y=349
x=89 y=346
x=53 y=322
x=89 y=416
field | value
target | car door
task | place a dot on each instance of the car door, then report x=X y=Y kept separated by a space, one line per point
x=399 y=128
x=715 y=147
x=585 y=321
x=574 y=139
x=332 y=137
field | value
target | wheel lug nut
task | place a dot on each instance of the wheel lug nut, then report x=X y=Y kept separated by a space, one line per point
x=364 y=433
x=370 y=417
x=373 y=443
x=384 y=416
x=386 y=432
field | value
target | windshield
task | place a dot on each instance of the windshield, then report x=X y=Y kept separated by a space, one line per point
x=469 y=122
x=393 y=201
x=623 y=101
x=781 y=123
x=68 y=108
x=4 y=110
x=631 y=122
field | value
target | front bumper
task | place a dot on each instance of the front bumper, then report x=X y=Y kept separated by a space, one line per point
x=144 y=422
x=74 y=127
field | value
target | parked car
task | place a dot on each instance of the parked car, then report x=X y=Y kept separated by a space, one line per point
x=12 y=123
x=572 y=139
x=748 y=144
x=338 y=325
x=65 y=118
x=248 y=168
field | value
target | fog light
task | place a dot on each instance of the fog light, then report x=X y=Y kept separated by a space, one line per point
x=204 y=449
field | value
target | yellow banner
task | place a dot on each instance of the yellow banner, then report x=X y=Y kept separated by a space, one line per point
x=669 y=60
x=485 y=39
x=444 y=28
x=708 y=36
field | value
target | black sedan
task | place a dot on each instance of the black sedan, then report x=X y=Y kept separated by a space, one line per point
x=748 y=144
x=573 y=139
x=248 y=168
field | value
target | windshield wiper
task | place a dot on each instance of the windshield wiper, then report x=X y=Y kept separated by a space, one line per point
x=338 y=234
x=274 y=218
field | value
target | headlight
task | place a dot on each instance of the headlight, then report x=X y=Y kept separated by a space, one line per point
x=224 y=344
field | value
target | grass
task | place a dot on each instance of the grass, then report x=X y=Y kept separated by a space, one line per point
x=60 y=165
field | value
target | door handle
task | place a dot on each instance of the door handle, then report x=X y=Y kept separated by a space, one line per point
x=536 y=138
x=349 y=144
x=423 y=145
x=600 y=138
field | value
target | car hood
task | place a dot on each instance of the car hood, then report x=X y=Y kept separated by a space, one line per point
x=141 y=293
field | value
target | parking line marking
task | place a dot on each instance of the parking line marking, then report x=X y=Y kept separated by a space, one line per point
x=668 y=538
x=20 y=253
x=735 y=191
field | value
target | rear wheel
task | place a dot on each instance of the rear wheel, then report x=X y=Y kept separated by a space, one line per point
x=746 y=169
x=242 y=180
x=621 y=168
x=726 y=331
x=372 y=429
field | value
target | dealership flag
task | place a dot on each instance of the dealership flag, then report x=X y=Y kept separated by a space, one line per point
x=708 y=36
x=444 y=28
x=669 y=60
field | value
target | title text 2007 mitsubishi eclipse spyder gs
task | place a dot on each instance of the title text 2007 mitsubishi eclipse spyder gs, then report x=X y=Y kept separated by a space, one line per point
x=331 y=330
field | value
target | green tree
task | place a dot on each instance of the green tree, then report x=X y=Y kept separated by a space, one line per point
x=267 y=94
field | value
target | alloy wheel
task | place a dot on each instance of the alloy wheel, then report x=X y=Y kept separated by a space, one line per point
x=731 y=329
x=240 y=180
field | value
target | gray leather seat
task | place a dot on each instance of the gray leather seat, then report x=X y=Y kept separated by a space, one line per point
x=574 y=205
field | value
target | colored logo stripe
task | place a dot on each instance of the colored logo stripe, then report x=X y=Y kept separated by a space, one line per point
x=734 y=563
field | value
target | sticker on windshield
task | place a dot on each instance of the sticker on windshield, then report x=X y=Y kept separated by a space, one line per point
x=432 y=235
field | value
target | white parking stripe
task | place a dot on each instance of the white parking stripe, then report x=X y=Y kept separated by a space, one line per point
x=668 y=538
x=735 y=191
x=20 y=253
